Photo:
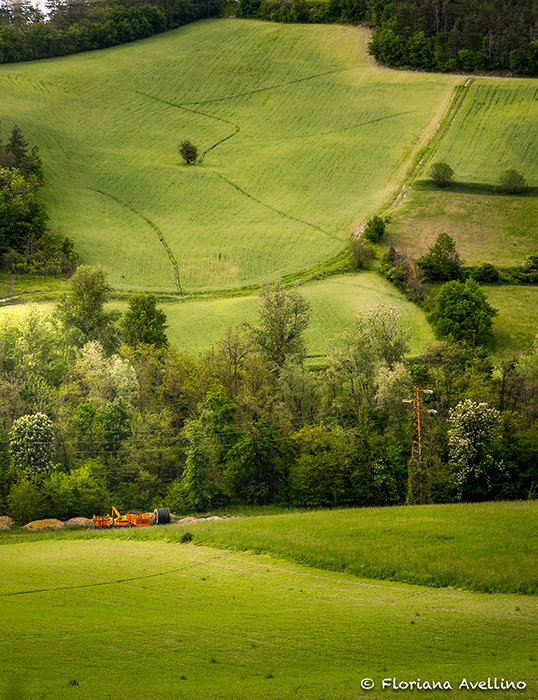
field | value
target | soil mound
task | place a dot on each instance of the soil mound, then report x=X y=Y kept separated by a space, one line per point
x=79 y=522
x=47 y=524
x=6 y=522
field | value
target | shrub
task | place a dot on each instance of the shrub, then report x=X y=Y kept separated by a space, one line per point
x=360 y=252
x=442 y=174
x=485 y=273
x=512 y=182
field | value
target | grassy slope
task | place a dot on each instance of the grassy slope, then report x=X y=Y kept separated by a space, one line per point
x=196 y=326
x=495 y=129
x=113 y=618
x=318 y=139
x=516 y=326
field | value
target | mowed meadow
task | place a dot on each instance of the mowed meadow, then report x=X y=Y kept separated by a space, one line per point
x=301 y=138
x=139 y=612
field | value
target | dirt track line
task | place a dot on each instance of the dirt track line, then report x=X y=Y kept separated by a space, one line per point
x=268 y=206
x=267 y=89
x=236 y=127
x=155 y=228
x=120 y=580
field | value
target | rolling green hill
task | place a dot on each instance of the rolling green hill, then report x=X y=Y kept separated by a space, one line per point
x=301 y=135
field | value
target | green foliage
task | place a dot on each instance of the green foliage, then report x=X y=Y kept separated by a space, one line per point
x=81 y=493
x=375 y=228
x=31 y=445
x=143 y=322
x=284 y=316
x=442 y=261
x=26 y=501
x=23 y=214
x=442 y=174
x=254 y=465
x=513 y=182
x=317 y=476
x=463 y=313
x=188 y=152
x=82 y=309
x=360 y=252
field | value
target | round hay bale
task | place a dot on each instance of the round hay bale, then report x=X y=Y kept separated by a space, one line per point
x=79 y=522
x=46 y=524
x=6 y=522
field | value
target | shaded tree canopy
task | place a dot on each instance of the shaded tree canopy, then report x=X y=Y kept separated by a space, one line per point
x=143 y=322
x=462 y=312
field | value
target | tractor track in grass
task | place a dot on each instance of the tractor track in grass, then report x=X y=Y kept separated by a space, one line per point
x=271 y=208
x=119 y=580
x=154 y=227
x=236 y=127
x=269 y=88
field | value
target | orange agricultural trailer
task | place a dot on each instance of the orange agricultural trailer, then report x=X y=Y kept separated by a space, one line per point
x=127 y=520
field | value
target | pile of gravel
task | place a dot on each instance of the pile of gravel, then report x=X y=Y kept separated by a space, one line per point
x=6 y=522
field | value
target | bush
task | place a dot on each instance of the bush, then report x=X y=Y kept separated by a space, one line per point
x=375 y=228
x=512 y=182
x=485 y=273
x=360 y=252
x=188 y=152
x=442 y=174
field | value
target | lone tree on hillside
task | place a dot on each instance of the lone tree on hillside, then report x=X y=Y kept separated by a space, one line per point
x=188 y=152
x=375 y=228
x=513 y=182
x=442 y=174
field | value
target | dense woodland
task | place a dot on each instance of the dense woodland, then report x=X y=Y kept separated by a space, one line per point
x=99 y=409
x=440 y=35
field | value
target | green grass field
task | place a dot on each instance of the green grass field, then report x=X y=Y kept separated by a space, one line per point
x=495 y=129
x=516 y=326
x=303 y=137
x=195 y=326
x=118 y=615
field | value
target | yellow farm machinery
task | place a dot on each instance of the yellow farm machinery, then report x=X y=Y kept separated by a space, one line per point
x=160 y=516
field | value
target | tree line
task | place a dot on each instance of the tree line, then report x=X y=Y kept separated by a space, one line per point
x=72 y=26
x=439 y=35
x=98 y=408
x=27 y=244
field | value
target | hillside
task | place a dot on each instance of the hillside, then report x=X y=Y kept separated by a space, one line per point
x=287 y=171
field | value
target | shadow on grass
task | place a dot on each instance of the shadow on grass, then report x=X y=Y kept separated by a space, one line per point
x=479 y=188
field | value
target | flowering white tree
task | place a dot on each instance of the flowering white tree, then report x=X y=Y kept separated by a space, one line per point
x=470 y=439
x=31 y=444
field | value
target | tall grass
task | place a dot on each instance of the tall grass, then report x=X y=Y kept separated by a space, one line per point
x=487 y=547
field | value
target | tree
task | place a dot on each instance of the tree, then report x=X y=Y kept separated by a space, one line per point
x=442 y=261
x=188 y=152
x=360 y=252
x=442 y=174
x=82 y=310
x=513 y=182
x=470 y=440
x=143 y=322
x=317 y=478
x=374 y=229
x=31 y=445
x=284 y=316
x=462 y=312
